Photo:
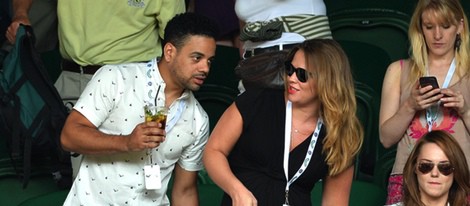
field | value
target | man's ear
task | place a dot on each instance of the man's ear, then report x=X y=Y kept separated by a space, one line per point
x=169 y=51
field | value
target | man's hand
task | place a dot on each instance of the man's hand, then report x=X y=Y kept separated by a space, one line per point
x=146 y=135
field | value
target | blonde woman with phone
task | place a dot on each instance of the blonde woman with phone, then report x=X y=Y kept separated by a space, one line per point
x=439 y=38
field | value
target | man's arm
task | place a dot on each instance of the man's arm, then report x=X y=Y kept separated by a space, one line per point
x=20 y=16
x=184 y=187
x=81 y=136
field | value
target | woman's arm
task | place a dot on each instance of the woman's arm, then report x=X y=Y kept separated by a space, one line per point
x=336 y=189
x=223 y=137
x=394 y=118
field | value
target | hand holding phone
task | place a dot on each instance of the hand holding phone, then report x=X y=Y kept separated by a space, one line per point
x=428 y=80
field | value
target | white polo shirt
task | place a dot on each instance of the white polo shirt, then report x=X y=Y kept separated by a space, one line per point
x=113 y=101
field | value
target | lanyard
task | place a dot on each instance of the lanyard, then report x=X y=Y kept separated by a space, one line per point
x=432 y=111
x=308 y=155
x=151 y=79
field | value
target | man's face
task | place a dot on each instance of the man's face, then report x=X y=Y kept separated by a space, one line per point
x=191 y=63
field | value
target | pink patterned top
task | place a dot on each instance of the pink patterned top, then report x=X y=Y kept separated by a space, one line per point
x=447 y=119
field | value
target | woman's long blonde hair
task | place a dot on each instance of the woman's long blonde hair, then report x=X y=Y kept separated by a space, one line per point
x=448 y=12
x=335 y=87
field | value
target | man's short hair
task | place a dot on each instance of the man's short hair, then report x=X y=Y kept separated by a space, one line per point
x=181 y=26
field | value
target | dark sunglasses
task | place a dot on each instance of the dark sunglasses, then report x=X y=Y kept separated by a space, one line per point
x=444 y=168
x=299 y=72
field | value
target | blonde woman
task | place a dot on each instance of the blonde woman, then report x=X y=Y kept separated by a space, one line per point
x=271 y=146
x=440 y=48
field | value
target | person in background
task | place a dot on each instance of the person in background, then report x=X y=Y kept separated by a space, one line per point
x=269 y=27
x=271 y=146
x=439 y=38
x=436 y=172
x=42 y=16
x=120 y=150
x=223 y=12
x=92 y=35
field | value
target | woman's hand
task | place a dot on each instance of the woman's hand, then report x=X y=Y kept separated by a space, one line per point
x=243 y=197
x=454 y=99
x=424 y=97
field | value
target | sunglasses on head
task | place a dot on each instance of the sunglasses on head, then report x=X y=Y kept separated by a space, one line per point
x=299 y=72
x=444 y=168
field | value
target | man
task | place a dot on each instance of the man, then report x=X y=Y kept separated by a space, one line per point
x=107 y=124
x=94 y=33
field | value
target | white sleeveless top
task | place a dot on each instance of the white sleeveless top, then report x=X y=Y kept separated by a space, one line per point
x=264 y=10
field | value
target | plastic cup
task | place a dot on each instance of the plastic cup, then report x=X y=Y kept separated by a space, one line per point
x=156 y=114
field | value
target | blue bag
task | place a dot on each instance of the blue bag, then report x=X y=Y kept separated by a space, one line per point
x=32 y=114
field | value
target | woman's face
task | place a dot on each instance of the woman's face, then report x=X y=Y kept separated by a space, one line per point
x=440 y=37
x=298 y=91
x=433 y=185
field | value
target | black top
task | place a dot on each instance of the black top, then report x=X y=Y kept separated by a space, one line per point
x=257 y=157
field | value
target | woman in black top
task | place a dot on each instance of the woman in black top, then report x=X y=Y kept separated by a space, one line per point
x=307 y=132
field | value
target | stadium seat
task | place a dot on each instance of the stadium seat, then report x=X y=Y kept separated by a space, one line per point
x=222 y=68
x=368 y=62
x=215 y=99
x=367 y=112
x=384 y=28
x=49 y=199
x=405 y=6
x=13 y=192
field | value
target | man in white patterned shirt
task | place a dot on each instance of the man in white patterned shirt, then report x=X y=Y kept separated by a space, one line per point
x=107 y=124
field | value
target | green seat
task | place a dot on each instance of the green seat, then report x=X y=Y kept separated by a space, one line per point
x=384 y=28
x=50 y=199
x=383 y=168
x=368 y=62
x=13 y=192
x=209 y=194
x=362 y=194
x=215 y=99
x=203 y=177
x=405 y=6
x=367 y=112
x=222 y=68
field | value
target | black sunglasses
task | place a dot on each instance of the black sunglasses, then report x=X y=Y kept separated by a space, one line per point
x=444 y=168
x=301 y=73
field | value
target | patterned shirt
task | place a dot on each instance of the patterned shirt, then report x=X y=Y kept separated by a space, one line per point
x=113 y=101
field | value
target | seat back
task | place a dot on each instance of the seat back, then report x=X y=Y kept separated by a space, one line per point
x=384 y=28
x=367 y=112
x=222 y=68
x=215 y=99
x=405 y=6
x=368 y=62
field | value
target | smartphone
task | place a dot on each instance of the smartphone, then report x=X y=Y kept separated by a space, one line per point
x=428 y=80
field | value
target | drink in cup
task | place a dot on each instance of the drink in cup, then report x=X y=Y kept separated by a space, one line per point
x=156 y=114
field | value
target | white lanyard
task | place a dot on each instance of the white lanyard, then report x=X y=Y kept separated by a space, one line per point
x=308 y=155
x=432 y=111
x=171 y=122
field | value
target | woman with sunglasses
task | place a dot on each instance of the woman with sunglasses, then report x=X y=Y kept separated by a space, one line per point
x=439 y=38
x=271 y=146
x=436 y=172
